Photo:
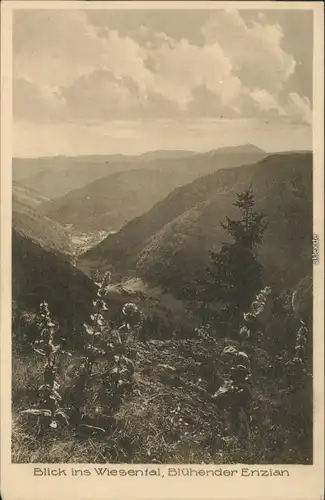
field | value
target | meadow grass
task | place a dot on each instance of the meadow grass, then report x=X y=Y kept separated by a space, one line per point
x=165 y=419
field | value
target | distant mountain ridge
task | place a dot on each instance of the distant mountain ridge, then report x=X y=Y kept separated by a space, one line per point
x=55 y=177
x=170 y=243
x=99 y=165
x=111 y=201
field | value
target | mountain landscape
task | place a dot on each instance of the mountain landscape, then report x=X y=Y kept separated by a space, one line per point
x=111 y=201
x=152 y=222
x=29 y=221
x=24 y=168
x=100 y=193
x=56 y=176
x=164 y=257
x=170 y=243
x=162 y=235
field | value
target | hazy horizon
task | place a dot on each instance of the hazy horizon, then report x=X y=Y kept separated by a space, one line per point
x=298 y=150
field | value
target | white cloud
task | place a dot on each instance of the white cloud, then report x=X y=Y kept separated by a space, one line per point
x=299 y=108
x=181 y=67
x=266 y=101
x=254 y=50
x=67 y=69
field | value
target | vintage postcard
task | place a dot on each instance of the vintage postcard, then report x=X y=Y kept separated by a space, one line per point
x=162 y=169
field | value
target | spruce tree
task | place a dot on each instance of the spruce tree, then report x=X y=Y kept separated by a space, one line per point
x=234 y=274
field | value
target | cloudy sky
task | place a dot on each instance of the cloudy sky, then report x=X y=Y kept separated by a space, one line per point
x=104 y=81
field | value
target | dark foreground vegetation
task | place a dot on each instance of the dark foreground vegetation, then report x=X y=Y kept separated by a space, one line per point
x=231 y=384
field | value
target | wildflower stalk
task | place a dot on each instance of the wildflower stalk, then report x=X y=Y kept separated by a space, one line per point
x=97 y=321
x=298 y=367
x=45 y=346
x=123 y=370
x=235 y=394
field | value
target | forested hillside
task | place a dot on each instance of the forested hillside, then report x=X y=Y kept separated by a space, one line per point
x=112 y=201
x=169 y=244
x=39 y=274
x=28 y=220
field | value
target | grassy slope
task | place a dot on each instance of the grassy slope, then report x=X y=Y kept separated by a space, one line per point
x=30 y=197
x=168 y=418
x=28 y=220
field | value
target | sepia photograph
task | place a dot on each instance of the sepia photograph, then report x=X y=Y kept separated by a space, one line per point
x=163 y=246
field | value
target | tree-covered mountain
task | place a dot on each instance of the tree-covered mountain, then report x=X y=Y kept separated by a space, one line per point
x=29 y=221
x=111 y=201
x=169 y=245
x=39 y=274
